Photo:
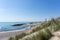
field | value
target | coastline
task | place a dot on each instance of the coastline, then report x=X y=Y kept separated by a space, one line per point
x=7 y=34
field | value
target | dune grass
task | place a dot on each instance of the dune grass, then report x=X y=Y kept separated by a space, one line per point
x=11 y=38
x=42 y=35
x=17 y=37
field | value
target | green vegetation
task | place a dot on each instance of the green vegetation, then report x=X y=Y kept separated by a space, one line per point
x=43 y=32
x=36 y=29
x=46 y=34
x=17 y=37
x=11 y=38
x=40 y=35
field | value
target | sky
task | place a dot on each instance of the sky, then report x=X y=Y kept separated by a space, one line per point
x=28 y=10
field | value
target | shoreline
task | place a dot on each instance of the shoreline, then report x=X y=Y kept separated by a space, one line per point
x=13 y=30
x=6 y=35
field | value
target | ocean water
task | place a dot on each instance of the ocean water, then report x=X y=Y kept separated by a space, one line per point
x=7 y=26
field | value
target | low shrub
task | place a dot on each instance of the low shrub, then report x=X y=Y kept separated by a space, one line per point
x=17 y=37
x=11 y=38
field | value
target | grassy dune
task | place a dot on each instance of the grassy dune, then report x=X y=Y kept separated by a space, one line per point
x=43 y=32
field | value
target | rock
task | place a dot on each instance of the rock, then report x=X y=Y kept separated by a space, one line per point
x=17 y=24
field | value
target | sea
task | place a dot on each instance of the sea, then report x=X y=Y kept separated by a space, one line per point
x=7 y=26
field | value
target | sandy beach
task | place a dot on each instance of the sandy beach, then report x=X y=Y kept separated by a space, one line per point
x=8 y=34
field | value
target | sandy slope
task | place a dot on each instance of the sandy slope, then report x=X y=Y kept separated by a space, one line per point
x=56 y=34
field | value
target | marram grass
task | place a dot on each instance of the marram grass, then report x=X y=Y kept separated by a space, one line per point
x=37 y=34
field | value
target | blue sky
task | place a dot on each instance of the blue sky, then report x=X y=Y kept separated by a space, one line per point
x=28 y=10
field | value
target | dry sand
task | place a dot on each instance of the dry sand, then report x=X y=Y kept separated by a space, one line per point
x=8 y=34
x=56 y=34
